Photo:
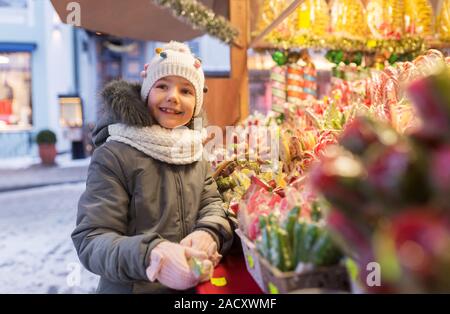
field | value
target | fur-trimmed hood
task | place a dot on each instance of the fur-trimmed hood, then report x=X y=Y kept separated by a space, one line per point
x=121 y=104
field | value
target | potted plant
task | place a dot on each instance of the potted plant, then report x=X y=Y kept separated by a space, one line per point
x=46 y=140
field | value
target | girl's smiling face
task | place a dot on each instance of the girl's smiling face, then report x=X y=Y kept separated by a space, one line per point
x=171 y=101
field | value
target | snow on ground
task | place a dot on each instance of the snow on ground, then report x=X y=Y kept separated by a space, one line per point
x=62 y=161
x=36 y=251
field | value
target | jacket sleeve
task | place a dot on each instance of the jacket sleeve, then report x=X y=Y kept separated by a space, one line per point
x=100 y=235
x=212 y=217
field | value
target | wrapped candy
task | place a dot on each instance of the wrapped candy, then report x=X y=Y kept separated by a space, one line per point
x=301 y=80
x=271 y=9
x=348 y=19
x=443 y=21
x=388 y=87
x=295 y=83
x=429 y=63
x=278 y=86
x=385 y=18
x=309 y=76
x=418 y=17
x=313 y=18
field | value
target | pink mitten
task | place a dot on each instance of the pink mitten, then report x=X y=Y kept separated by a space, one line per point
x=169 y=264
x=203 y=241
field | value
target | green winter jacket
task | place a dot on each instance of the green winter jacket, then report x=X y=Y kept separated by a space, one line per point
x=132 y=202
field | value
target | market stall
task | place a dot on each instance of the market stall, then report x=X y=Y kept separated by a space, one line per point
x=343 y=196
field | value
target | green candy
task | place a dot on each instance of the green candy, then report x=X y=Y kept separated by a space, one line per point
x=325 y=252
x=299 y=234
x=275 y=249
x=330 y=55
x=289 y=223
x=339 y=56
x=316 y=213
x=357 y=59
x=393 y=58
x=285 y=251
x=312 y=233
x=279 y=57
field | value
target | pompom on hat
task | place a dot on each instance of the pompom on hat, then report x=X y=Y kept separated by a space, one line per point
x=175 y=59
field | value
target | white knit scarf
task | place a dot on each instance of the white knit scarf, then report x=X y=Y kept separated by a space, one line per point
x=179 y=146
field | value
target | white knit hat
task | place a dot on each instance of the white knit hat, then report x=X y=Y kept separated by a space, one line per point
x=175 y=59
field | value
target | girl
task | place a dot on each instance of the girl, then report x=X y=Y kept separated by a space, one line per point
x=148 y=207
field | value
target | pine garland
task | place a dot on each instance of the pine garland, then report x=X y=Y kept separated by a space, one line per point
x=200 y=17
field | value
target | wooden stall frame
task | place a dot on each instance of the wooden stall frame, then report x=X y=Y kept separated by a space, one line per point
x=232 y=92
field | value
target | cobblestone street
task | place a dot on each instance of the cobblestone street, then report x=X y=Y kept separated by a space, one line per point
x=37 y=254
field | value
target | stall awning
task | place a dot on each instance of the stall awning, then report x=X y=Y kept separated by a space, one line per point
x=135 y=19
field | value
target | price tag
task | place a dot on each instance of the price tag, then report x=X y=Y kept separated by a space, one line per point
x=273 y=289
x=352 y=269
x=219 y=281
x=250 y=261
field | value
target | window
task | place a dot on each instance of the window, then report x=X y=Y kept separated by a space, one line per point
x=15 y=89
x=17 y=4
x=16 y=12
x=195 y=47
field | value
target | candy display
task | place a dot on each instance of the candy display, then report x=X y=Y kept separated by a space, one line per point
x=293 y=242
x=392 y=193
x=385 y=18
x=313 y=18
x=388 y=89
x=443 y=21
x=418 y=17
x=270 y=10
x=362 y=171
x=348 y=19
x=301 y=79
x=392 y=133
x=397 y=27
